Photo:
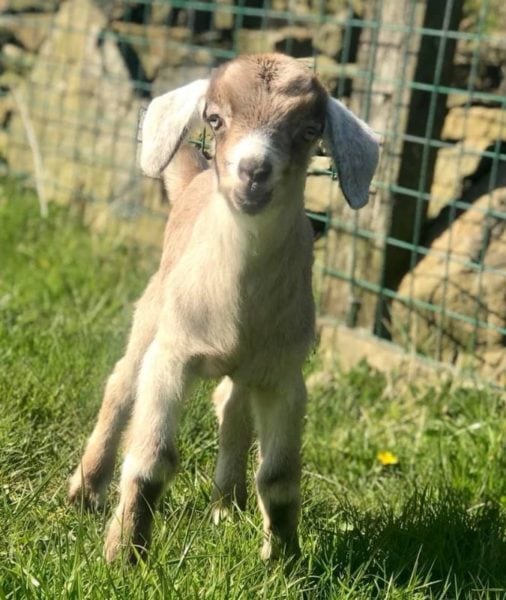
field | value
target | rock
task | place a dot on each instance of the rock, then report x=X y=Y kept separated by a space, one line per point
x=474 y=123
x=319 y=185
x=15 y=59
x=149 y=42
x=222 y=18
x=9 y=79
x=135 y=12
x=15 y=6
x=158 y=46
x=11 y=53
x=493 y=365
x=83 y=107
x=328 y=39
x=170 y=78
x=453 y=164
x=334 y=40
x=464 y=275
x=6 y=108
x=27 y=29
x=160 y=13
x=475 y=128
x=341 y=348
x=4 y=143
x=296 y=41
x=334 y=75
x=481 y=71
x=480 y=175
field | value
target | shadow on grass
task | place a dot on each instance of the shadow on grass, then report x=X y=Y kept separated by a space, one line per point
x=437 y=541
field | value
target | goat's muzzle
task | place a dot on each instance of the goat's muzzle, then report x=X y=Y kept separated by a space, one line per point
x=253 y=191
x=252 y=198
x=254 y=172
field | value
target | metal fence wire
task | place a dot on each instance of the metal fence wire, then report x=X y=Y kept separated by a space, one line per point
x=423 y=265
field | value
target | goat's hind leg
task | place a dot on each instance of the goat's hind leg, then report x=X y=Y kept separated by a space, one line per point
x=88 y=484
x=232 y=404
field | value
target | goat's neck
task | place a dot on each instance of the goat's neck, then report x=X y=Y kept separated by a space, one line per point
x=258 y=238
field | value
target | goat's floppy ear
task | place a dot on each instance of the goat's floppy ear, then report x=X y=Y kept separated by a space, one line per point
x=355 y=151
x=167 y=122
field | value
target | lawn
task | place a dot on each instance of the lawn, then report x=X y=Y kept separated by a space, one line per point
x=404 y=482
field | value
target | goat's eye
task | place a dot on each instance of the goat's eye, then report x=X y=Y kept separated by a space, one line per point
x=215 y=121
x=312 y=132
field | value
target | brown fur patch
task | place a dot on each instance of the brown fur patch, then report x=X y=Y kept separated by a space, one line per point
x=264 y=89
x=268 y=71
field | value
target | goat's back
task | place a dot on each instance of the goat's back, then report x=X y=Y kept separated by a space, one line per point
x=187 y=163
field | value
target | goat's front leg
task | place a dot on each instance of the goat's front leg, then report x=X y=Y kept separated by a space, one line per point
x=279 y=415
x=232 y=404
x=151 y=454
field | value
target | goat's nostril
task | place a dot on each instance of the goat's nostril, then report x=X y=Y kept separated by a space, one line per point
x=254 y=171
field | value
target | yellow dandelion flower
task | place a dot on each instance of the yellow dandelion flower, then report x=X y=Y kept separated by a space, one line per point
x=386 y=458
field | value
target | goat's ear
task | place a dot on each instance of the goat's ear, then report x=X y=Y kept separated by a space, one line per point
x=167 y=122
x=355 y=151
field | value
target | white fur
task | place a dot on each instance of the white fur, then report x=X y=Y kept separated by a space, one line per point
x=168 y=120
x=253 y=145
x=132 y=467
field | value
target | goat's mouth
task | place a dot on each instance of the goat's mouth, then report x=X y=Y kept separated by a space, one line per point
x=253 y=199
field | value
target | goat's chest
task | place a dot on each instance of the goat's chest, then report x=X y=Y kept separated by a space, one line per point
x=230 y=301
x=228 y=316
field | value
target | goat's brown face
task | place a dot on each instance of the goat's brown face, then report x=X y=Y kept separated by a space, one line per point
x=267 y=113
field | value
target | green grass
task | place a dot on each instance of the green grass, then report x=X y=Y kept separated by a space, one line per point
x=431 y=526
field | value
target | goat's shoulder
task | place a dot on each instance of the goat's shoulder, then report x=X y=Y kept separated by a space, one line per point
x=183 y=216
x=186 y=165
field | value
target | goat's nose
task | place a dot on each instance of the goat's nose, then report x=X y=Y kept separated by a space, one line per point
x=252 y=170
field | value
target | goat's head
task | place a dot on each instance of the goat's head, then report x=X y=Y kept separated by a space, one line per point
x=267 y=112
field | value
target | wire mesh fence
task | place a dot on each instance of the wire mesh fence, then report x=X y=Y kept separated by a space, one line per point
x=423 y=265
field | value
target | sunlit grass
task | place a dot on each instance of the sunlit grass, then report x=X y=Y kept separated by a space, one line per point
x=430 y=523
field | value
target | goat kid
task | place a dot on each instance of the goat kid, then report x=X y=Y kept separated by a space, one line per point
x=232 y=297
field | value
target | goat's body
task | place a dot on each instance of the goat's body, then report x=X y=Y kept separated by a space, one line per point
x=240 y=296
x=234 y=295
x=232 y=298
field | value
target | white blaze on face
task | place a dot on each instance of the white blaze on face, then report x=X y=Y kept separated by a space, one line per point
x=254 y=145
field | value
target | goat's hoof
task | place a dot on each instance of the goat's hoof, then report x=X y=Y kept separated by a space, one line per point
x=268 y=552
x=220 y=514
x=123 y=542
x=114 y=542
x=275 y=549
x=118 y=543
x=225 y=506
x=83 y=492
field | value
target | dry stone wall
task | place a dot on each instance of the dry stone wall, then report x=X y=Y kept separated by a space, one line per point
x=453 y=302
x=465 y=276
x=77 y=72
